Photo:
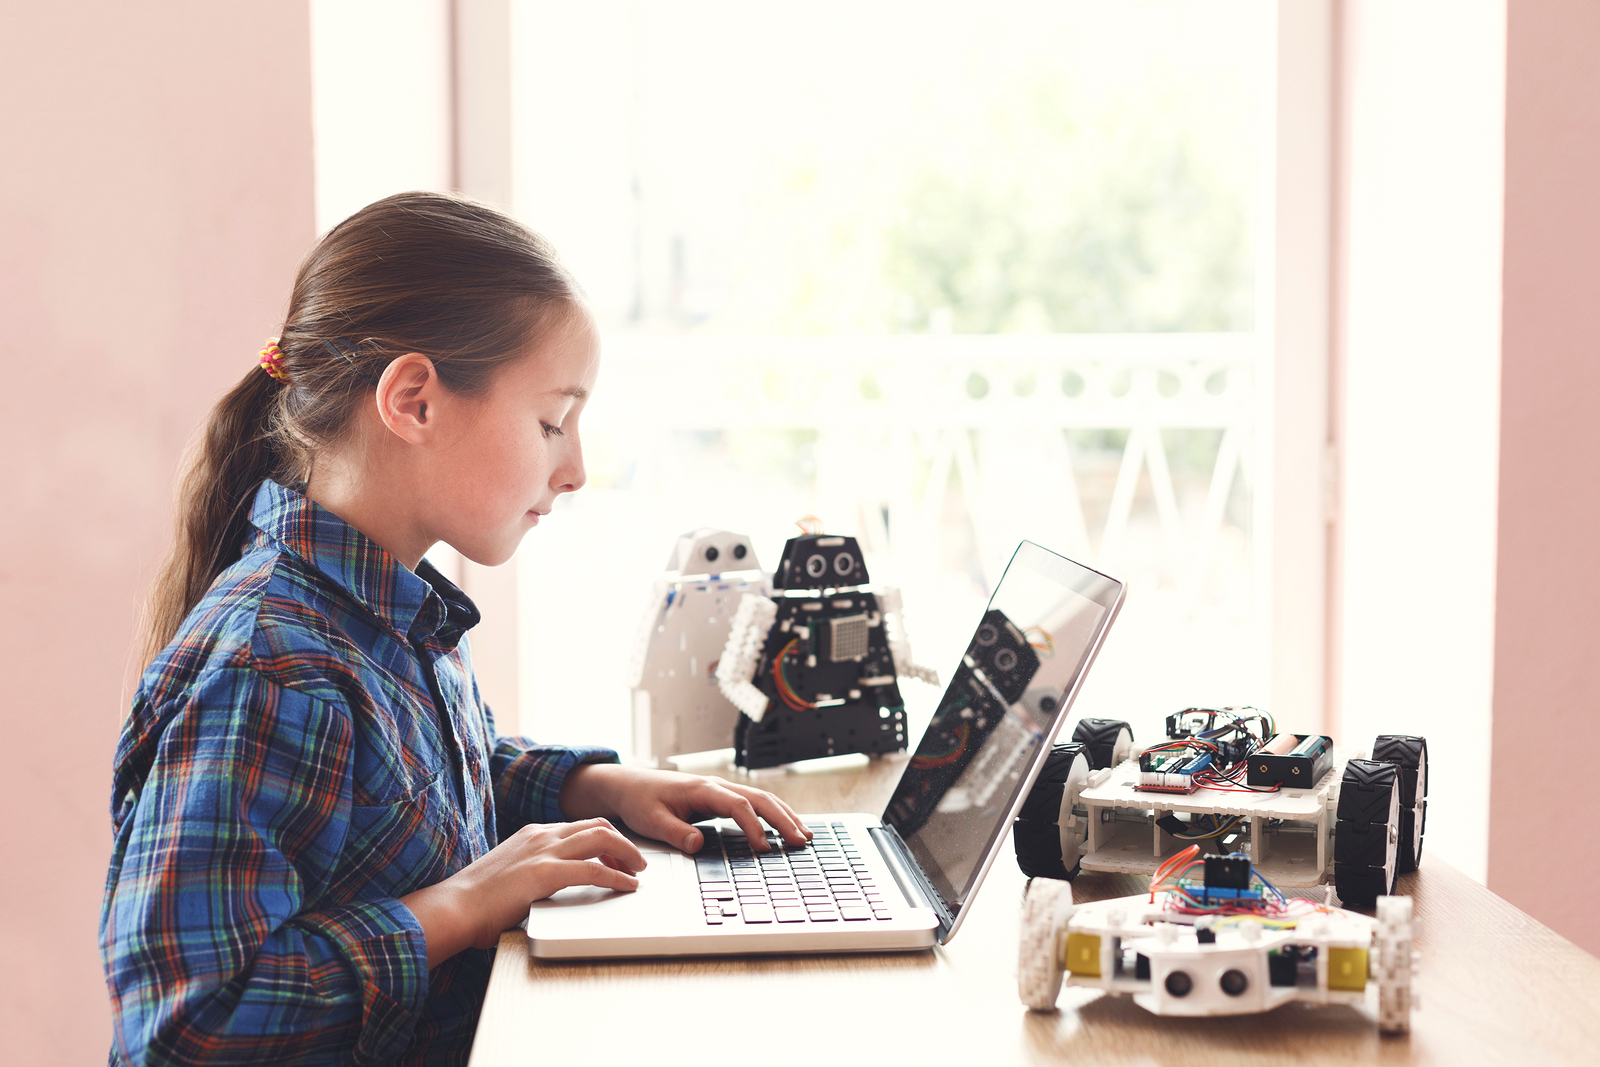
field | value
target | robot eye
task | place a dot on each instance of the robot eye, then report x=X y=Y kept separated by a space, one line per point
x=740 y=552
x=843 y=563
x=987 y=635
x=1005 y=659
x=816 y=566
x=711 y=553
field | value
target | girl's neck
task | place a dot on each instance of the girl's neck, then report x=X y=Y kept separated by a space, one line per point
x=365 y=496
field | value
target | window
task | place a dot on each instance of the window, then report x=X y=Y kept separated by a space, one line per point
x=944 y=276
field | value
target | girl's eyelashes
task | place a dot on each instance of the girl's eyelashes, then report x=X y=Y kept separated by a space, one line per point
x=551 y=431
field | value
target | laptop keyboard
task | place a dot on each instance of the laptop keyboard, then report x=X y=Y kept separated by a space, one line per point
x=825 y=881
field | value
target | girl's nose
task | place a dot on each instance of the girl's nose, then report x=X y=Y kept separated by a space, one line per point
x=570 y=476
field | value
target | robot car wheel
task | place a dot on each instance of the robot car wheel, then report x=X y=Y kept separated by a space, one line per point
x=1107 y=742
x=1366 y=842
x=1410 y=755
x=1394 y=965
x=1047 y=834
x=1046 y=907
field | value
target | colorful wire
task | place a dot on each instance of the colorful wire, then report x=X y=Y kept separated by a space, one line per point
x=786 y=692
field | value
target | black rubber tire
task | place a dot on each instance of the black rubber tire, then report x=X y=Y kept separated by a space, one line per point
x=1364 y=847
x=1036 y=835
x=1038 y=846
x=1099 y=739
x=1410 y=755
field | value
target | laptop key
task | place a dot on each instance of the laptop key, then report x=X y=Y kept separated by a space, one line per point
x=790 y=915
x=855 y=914
x=758 y=913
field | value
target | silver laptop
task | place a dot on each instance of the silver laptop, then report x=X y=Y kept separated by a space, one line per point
x=898 y=881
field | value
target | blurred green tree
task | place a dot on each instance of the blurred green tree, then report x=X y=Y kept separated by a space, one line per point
x=1116 y=227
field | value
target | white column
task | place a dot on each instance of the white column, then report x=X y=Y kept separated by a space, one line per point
x=1424 y=86
x=1292 y=303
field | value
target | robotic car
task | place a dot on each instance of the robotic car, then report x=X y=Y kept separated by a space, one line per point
x=814 y=667
x=1304 y=812
x=1225 y=943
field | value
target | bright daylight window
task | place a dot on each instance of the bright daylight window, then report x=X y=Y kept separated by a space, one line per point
x=942 y=275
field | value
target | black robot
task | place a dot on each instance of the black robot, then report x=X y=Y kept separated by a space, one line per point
x=813 y=669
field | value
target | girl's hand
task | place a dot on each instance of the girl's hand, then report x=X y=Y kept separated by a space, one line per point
x=662 y=804
x=473 y=906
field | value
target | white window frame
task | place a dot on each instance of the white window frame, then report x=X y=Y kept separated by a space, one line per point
x=1293 y=492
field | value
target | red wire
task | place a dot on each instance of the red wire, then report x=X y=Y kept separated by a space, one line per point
x=786 y=692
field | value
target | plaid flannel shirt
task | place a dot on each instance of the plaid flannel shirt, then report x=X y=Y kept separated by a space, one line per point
x=310 y=748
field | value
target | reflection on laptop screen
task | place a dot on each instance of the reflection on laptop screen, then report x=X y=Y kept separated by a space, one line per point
x=1009 y=694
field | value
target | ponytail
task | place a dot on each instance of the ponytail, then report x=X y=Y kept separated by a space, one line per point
x=454 y=280
x=224 y=470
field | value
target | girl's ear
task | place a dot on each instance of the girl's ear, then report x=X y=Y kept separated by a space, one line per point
x=407 y=395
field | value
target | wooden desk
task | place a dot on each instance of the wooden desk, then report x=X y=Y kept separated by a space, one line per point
x=1495 y=986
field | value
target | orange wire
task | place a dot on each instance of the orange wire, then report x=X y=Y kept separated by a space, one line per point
x=1169 y=866
x=785 y=690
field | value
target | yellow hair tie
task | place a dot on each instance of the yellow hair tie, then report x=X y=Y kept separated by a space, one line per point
x=272 y=361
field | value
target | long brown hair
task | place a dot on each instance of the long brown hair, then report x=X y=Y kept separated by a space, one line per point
x=452 y=279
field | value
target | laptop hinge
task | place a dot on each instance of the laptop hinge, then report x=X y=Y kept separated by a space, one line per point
x=914 y=885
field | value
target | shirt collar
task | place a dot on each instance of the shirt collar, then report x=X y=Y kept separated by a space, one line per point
x=415 y=604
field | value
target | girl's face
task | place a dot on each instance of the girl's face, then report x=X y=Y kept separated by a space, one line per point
x=518 y=448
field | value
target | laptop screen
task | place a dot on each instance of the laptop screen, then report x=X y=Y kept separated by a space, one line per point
x=1009 y=696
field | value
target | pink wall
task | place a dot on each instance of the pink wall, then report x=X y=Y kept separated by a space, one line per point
x=1547 y=627
x=155 y=195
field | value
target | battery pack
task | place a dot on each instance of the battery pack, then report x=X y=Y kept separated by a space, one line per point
x=1298 y=766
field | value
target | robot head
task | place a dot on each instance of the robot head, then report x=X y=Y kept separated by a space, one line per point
x=820 y=561
x=708 y=551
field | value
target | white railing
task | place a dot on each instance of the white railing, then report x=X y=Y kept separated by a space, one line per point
x=896 y=417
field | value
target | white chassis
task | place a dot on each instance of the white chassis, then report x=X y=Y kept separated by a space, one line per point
x=1116 y=830
x=1359 y=960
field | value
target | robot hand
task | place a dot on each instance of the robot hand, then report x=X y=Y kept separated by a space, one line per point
x=742 y=653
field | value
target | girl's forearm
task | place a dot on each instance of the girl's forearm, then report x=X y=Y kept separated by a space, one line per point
x=587 y=792
x=446 y=924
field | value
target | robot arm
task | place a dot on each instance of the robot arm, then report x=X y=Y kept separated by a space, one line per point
x=899 y=642
x=742 y=654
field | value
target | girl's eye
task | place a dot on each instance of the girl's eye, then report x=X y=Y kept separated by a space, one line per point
x=551 y=431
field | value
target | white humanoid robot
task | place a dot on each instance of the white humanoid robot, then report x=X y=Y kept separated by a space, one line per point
x=677 y=705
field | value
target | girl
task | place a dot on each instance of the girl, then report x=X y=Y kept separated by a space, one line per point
x=319 y=836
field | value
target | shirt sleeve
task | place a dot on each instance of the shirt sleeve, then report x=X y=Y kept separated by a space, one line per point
x=212 y=951
x=528 y=777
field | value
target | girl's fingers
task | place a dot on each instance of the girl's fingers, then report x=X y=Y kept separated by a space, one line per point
x=600 y=841
x=559 y=874
x=779 y=815
x=736 y=806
